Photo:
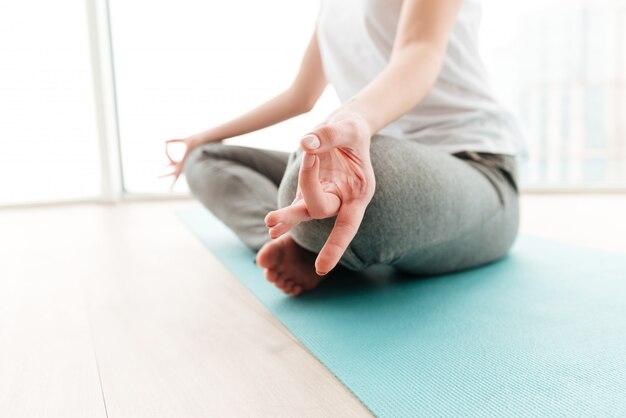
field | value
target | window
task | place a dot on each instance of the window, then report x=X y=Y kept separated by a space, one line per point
x=191 y=65
x=183 y=67
x=561 y=65
x=48 y=126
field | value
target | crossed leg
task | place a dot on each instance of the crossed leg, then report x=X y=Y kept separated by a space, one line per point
x=239 y=185
x=431 y=213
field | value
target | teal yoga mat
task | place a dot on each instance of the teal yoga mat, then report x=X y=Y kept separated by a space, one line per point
x=541 y=332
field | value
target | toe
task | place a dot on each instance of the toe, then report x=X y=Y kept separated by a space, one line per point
x=269 y=255
x=288 y=286
x=271 y=275
x=297 y=289
x=279 y=282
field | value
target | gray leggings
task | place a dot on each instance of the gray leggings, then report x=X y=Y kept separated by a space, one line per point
x=432 y=212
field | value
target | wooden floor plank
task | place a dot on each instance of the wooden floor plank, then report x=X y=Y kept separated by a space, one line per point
x=177 y=335
x=47 y=362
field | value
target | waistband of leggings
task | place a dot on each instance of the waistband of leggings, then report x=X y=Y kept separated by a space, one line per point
x=507 y=164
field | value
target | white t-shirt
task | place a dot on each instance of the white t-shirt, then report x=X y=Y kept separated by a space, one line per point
x=459 y=113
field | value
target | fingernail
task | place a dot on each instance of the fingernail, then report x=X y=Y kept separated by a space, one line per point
x=308 y=160
x=311 y=141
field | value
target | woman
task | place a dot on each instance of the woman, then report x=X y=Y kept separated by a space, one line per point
x=416 y=169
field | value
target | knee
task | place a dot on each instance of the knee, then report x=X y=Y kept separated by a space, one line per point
x=200 y=162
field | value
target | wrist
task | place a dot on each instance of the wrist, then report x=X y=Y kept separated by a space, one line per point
x=359 y=120
x=204 y=137
x=360 y=114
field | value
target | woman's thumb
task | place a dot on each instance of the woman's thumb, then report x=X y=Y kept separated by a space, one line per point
x=325 y=137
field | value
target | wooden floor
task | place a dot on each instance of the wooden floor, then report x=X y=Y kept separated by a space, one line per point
x=119 y=311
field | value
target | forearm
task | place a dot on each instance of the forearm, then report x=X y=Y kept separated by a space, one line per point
x=282 y=107
x=405 y=81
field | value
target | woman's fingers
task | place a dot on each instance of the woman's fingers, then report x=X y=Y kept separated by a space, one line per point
x=282 y=220
x=328 y=136
x=280 y=229
x=346 y=226
x=323 y=139
x=292 y=214
x=176 y=174
x=173 y=173
x=167 y=149
x=319 y=204
x=176 y=141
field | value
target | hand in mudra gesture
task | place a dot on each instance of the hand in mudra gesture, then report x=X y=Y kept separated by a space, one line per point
x=336 y=179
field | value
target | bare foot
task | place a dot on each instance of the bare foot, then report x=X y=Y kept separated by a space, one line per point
x=289 y=266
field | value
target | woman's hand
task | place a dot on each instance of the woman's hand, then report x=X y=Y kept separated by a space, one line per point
x=178 y=164
x=336 y=178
